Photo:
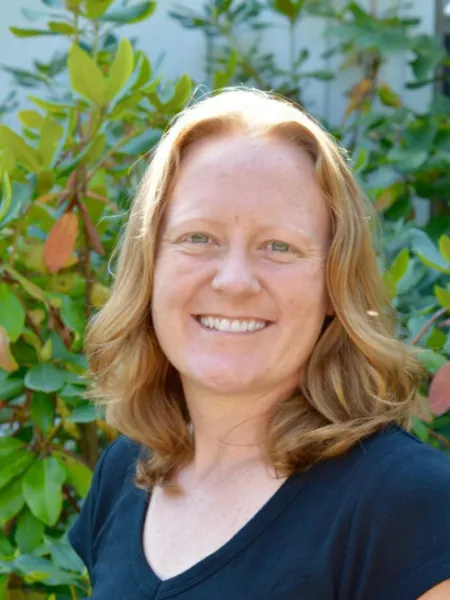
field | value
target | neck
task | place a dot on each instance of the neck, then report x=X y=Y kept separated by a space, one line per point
x=230 y=431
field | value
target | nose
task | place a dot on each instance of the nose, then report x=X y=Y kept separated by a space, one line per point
x=235 y=276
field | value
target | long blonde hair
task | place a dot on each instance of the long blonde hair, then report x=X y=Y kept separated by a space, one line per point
x=359 y=377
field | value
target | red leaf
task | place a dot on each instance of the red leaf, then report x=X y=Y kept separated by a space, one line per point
x=439 y=396
x=60 y=244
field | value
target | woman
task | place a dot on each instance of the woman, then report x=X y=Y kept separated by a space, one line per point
x=248 y=352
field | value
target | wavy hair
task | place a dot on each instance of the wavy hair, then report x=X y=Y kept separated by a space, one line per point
x=358 y=379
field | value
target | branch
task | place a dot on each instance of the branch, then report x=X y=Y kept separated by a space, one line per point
x=436 y=316
x=438 y=436
x=71 y=500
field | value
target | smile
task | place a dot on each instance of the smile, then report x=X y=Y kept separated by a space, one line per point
x=231 y=325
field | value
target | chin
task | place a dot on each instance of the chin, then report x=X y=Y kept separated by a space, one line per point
x=227 y=384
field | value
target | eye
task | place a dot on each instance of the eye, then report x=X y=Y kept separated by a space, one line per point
x=282 y=247
x=197 y=238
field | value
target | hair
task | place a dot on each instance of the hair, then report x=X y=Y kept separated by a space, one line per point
x=358 y=379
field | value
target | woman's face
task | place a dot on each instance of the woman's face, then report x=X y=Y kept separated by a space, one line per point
x=239 y=293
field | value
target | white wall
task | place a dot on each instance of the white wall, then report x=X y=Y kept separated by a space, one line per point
x=184 y=50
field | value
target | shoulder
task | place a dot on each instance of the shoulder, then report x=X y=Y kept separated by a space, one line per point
x=117 y=463
x=120 y=454
x=401 y=481
x=395 y=461
x=397 y=544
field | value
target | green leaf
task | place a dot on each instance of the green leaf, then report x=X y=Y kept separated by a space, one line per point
x=96 y=8
x=29 y=531
x=40 y=570
x=144 y=70
x=408 y=159
x=121 y=69
x=182 y=93
x=72 y=314
x=84 y=413
x=25 y=33
x=24 y=154
x=61 y=27
x=10 y=387
x=50 y=135
x=46 y=352
x=59 y=108
x=85 y=76
x=420 y=430
x=436 y=340
x=9 y=444
x=427 y=252
x=288 y=8
x=54 y=3
x=11 y=501
x=42 y=411
x=42 y=489
x=31 y=119
x=45 y=181
x=45 y=378
x=63 y=554
x=130 y=14
x=444 y=247
x=388 y=97
x=78 y=474
x=7 y=550
x=95 y=150
x=431 y=360
x=443 y=296
x=42 y=216
x=4 y=584
x=399 y=266
x=14 y=464
x=20 y=199
x=361 y=159
x=5 y=198
x=12 y=314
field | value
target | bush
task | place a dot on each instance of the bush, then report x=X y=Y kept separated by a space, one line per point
x=67 y=178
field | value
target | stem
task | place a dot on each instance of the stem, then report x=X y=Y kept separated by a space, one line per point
x=437 y=315
x=70 y=499
x=76 y=24
x=73 y=593
x=292 y=50
x=96 y=40
x=438 y=436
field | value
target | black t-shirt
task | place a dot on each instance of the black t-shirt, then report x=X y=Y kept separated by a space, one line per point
x=373 y=524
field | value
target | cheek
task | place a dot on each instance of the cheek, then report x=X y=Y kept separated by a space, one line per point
x=303 y=288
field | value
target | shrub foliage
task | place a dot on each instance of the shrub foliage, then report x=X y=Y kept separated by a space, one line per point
x=68 y=171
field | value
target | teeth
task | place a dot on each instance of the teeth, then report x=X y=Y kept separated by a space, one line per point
x=235 y=326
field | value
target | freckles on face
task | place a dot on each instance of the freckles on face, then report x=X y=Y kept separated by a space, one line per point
x=244 y=242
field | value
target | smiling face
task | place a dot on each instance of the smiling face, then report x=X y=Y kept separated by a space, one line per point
x=239 y=295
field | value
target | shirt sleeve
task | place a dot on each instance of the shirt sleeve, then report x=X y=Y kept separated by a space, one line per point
x=82 y=533
x=399 y=543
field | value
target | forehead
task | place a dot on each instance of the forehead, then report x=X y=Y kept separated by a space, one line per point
x=234 y=176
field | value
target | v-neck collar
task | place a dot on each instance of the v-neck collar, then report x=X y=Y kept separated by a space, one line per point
x=149 y=582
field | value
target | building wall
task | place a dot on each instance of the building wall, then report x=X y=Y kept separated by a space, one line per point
x=184 y=50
